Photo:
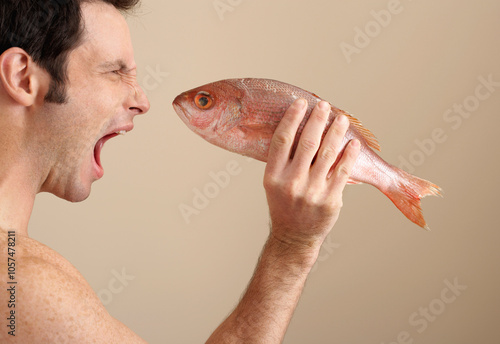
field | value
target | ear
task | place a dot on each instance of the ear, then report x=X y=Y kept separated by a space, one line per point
x=20 y=76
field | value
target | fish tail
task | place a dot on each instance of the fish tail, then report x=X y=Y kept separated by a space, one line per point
x=406 y=194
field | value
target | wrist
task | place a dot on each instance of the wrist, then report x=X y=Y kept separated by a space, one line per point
x=299 y=252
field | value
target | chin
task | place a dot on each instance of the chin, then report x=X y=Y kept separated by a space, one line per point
x=72 y=187
x=76 y=199
x=72 y=193
x=79 y=195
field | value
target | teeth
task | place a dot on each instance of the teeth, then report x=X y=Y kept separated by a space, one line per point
x=122 y=132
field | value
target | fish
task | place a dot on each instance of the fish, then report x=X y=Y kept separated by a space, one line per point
x=241 y=115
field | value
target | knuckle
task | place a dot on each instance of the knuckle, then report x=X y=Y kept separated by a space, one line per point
x=337 y=204
x=308 y=145
x=328 y=153
x=287 y=188
x=315 y=197
x=292 y=189
x=354 y=153
x=327 y=209
x=339 y=128
x=311 y=197
x=282 y=140
x=270 y=182
x=344 y=171
x=322 y=115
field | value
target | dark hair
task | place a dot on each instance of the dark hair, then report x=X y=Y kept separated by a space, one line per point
x=48 y=30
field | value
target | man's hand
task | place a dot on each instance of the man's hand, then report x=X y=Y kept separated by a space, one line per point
x=305 y=198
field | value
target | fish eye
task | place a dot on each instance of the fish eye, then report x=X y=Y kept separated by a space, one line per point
x=203 y=101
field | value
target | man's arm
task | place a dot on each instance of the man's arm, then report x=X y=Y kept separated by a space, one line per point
x=304 y=202
x=56 y=304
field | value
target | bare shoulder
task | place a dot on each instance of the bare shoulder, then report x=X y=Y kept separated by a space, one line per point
x=50 y=301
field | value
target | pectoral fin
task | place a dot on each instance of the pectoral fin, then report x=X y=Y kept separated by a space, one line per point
x=257 y=131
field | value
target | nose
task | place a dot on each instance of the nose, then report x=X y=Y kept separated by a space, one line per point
x=140 y=102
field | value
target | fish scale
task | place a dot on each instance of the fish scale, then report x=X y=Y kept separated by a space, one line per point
x=243 y=114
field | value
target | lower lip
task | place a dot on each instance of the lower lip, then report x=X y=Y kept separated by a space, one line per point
x=98 y=169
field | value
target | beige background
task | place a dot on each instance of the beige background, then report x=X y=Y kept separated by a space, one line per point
x=378 y=268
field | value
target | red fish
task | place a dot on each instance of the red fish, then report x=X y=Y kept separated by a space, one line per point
x=241 y=115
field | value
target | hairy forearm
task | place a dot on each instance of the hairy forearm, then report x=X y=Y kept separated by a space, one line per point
x=304 y=203
x=264 y=312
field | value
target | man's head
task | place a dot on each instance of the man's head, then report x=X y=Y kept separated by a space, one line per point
x=67 y=84
x=47 y=30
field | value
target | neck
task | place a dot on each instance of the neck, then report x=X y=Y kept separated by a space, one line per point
x=17 y=198
x=19 y=175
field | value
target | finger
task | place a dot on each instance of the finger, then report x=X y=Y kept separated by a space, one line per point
x=331 y=147
x=342 y=170
x=284 y=136
x=311 y=136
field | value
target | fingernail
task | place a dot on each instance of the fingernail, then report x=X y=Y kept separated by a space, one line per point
x=324 y=105
x=301 y=103
x=341 y=119
x=355 y=143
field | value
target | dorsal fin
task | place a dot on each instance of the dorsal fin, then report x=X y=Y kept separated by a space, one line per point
x=371 y=140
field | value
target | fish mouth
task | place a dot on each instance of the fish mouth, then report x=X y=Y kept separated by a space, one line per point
x=179 y=109
x=183 y=113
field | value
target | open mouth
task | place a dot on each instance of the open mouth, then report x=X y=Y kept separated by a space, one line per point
x=98 y=148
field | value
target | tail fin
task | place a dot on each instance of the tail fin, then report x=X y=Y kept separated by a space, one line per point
x=407 y=193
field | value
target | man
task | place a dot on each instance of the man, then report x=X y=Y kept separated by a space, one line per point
x=67 y=85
